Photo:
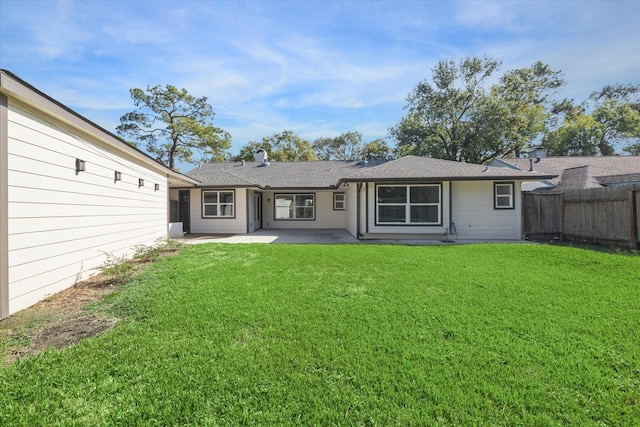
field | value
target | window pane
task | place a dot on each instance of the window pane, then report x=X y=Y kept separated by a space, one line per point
x=283 y=204
x=304 y=213
x=210 y=197
x=391 y=213
x=226 y=210
x=226 y=197
x=338 y=197
x=304 y=200
x=503 y=189
x=503 y=201
x=210 y=210
x=425 y=194
x=424 y=214
x=338 y=205
x=392 y=194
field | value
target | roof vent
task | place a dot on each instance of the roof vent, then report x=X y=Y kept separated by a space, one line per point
x=242 y=163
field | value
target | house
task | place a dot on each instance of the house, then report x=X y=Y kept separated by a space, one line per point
x=70 y=192
x=575 y=172
x=410 y=197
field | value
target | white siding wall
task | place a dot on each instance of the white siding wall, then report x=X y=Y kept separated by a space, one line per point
x=218 y=225
x=351 y=206
x=61 y=223
x=326 y=217
x=475 y=217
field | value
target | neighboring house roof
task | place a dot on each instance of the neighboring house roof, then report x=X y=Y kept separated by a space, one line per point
x=577 y=178
x=329 y=174
x=629 y=178
x=18 y=88
x=580 y=171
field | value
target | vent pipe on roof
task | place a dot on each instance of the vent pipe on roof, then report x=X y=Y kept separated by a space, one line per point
x=530 y=165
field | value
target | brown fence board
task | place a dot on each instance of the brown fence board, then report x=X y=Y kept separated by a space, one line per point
x=607 y=215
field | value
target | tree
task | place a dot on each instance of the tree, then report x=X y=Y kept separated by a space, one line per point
x=343 y=147
x=377 y=149
x=283 y=147
x=173 y=125
x=614 y=121
x=247 y=152
x=456 y=117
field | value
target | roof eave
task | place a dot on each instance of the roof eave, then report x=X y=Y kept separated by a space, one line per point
x=32 y=96
x=451 y=178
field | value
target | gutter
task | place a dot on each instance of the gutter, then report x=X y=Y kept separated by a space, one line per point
x=358 y=232
x=14 y=86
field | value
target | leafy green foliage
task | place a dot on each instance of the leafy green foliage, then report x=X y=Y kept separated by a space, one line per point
x=353 y=335
x=610 y=119
x=282 y=147
x=117 y=269
x=287 y=146
x=174 y=126
x=151 y=253
x=346 y=146
x=457 y=117
x=377 y=149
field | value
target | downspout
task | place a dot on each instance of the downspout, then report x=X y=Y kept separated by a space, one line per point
x=450 y=205
x=4 y=207
x=358 y=188
x=248 y=214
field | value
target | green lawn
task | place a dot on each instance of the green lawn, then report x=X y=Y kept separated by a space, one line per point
x=352 y=335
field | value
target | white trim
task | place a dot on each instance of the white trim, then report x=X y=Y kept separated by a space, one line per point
x=4 y=207
x=408 y=204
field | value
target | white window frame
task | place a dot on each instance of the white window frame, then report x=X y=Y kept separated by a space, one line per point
x=498 y=198
x=219 y=205
x=294 y=210
x=408 y=204
x=338 y=201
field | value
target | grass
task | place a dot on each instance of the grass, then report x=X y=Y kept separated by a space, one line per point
x=352 y=335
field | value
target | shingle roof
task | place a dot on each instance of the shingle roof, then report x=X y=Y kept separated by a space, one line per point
x=619 y=179
x=313 y=174
x=329 y=174
x=427 y=168
x=578 y=178
x=598 y=166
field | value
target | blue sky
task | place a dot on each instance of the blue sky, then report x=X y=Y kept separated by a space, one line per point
x=319 y=68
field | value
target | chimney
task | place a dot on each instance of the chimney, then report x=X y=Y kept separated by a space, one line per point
x=537 y=153
x=260 y=156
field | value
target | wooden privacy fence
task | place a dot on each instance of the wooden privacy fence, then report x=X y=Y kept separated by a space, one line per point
x=606 y=216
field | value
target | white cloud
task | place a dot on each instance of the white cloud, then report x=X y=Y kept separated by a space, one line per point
x=318 y=68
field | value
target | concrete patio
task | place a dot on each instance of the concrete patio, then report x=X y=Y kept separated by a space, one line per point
x=329 y=236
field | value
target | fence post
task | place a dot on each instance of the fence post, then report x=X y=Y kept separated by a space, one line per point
x=561 y=215
x=633 y=207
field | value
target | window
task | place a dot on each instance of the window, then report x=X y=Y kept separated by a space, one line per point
x=338 y=201
x=217 y=204
x=295 y=206
x=503 y=195
x=409 y=204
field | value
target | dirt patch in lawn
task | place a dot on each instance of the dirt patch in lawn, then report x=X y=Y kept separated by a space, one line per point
x=58 y=321
x=62 y=320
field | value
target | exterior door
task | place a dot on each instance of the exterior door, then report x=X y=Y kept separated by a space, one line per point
x=183 y=210
x=257 y=209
